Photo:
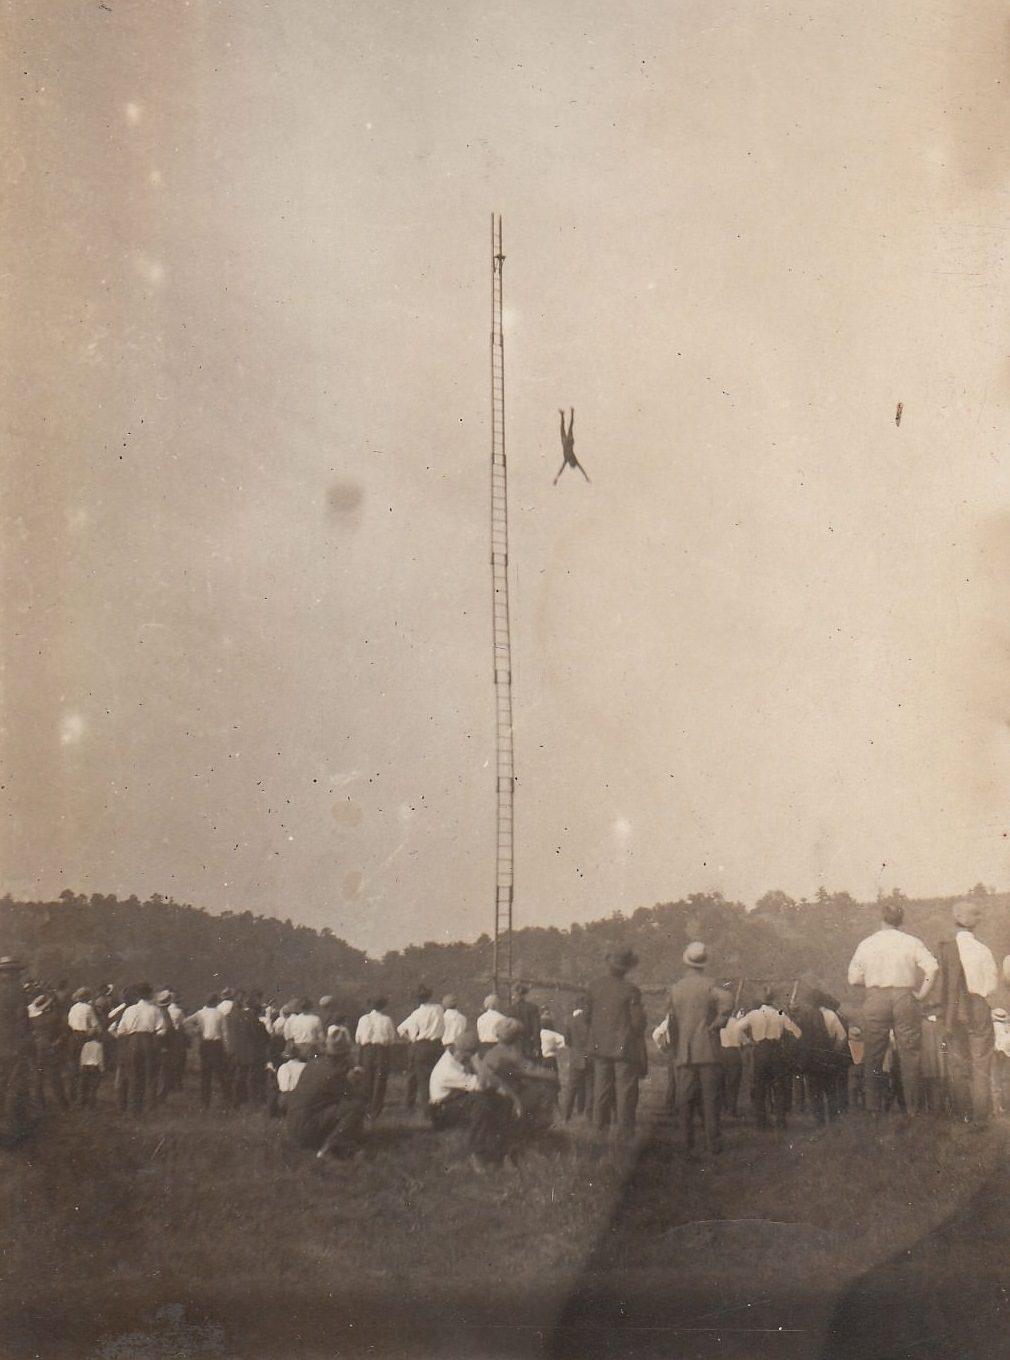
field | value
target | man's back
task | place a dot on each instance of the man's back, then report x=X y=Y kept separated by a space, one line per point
x=616 y=1019
x=696 y=1003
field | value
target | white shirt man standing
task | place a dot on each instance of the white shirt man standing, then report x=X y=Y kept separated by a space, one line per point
x=968 y=978
x=897 y=971
x=423 y=1027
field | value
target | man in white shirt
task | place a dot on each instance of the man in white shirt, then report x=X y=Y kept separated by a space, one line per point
x=897 y=971
x=83 y=1023
x=488 y=1021
x=305 y=1030
x=136 y=1035
x=423 y=1028
x=375 y=1036
x=208 y=1025
x=968 y=977
x=458 y=1098
x=455 y=1021
x=765 y=1027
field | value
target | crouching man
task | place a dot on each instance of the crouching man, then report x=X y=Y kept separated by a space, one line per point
x=326 y=1110
x=459 y=1098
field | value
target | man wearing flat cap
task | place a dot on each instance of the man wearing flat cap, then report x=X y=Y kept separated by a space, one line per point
x=616 y=1044
x=698 y=1010
x=967 y=978
x=326 y=1109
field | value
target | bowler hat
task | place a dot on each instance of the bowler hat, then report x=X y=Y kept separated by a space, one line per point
x=696 y=955
x=623 y=959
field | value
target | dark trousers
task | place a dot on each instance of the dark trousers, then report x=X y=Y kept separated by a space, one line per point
x=336 y=1128
x=172 y=1063
x=823 y=1090
x=423 y=1055
x=487 y=1117
x=90 y=1080
x=771 y=1083
x=699 y=1088
x=576 y=1074
x=374 y=1061
x=48 y=1080
x=615 y=1094
x=135 y=1070
x=248 y=1083
x=732 y=1073
x=214 y=1067
x=969 y=1062
x=76 y=1039
x=888 y=1008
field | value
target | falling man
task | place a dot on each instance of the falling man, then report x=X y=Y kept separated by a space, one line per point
x=568 y=446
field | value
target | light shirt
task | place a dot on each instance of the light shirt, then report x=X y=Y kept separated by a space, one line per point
x=661 y=1034
x=176 y=1014
x=767 y=1022
x=82 y=1018
x=93 y=1055
x=448 y=1075
x=891 y=958
x=1001 y=1037
x=837 y=1032
x=226 y=1006
x=143 y=1017
x=487 y=1026
x=208 y=1022
x=978 y=963
x=729 y=1035
x=304 y=1029
x=454 y=1026
x=426 y=1022
x=551 y=1042
x=288 y=1074
x=375 y=1028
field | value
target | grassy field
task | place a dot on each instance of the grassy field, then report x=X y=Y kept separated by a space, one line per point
x=186 y=1234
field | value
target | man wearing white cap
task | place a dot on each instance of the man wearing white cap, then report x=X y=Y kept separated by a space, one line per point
x=488 y=1021
x=968 y=977
x=454 y=1021
x=698 y=1009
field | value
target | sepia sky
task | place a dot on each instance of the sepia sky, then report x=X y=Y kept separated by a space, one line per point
x=244 y=394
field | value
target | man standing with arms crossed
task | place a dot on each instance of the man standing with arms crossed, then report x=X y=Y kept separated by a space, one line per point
x=897 y=971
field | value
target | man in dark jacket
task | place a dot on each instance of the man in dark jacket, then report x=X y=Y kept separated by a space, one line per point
x=616 y=1044
x=326 y=1110
x=698 y=1011
x=528 y=1016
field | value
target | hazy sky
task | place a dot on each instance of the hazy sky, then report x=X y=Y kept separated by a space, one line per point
x=245 y=401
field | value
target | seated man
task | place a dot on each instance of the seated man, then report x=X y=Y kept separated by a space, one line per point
x=529 y=1086
x=326 y=1110
x=458 y=1098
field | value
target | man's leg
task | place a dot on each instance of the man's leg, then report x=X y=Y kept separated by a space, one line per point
x=626 y=1090
x=908 y=1040
x=760 y=1089
x=603 y=1091
x=980 y=1048
x=688 y=1089
x=345 y=1126
x=206 y=1070
x=710 y=1077
x=876 y=1027
x=410 y=1093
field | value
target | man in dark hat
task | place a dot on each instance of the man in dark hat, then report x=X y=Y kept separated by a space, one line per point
x=528 y=1015
x=616 y=1044
x=325 y=1110
x=698 y=1010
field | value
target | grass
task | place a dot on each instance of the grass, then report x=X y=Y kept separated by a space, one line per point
x=186 y=1234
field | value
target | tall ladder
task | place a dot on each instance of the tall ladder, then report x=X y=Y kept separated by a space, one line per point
x=504 y=759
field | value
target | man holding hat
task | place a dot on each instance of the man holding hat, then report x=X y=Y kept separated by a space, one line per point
x=616 y=1044
x=698 y=1009
x=968 y=976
